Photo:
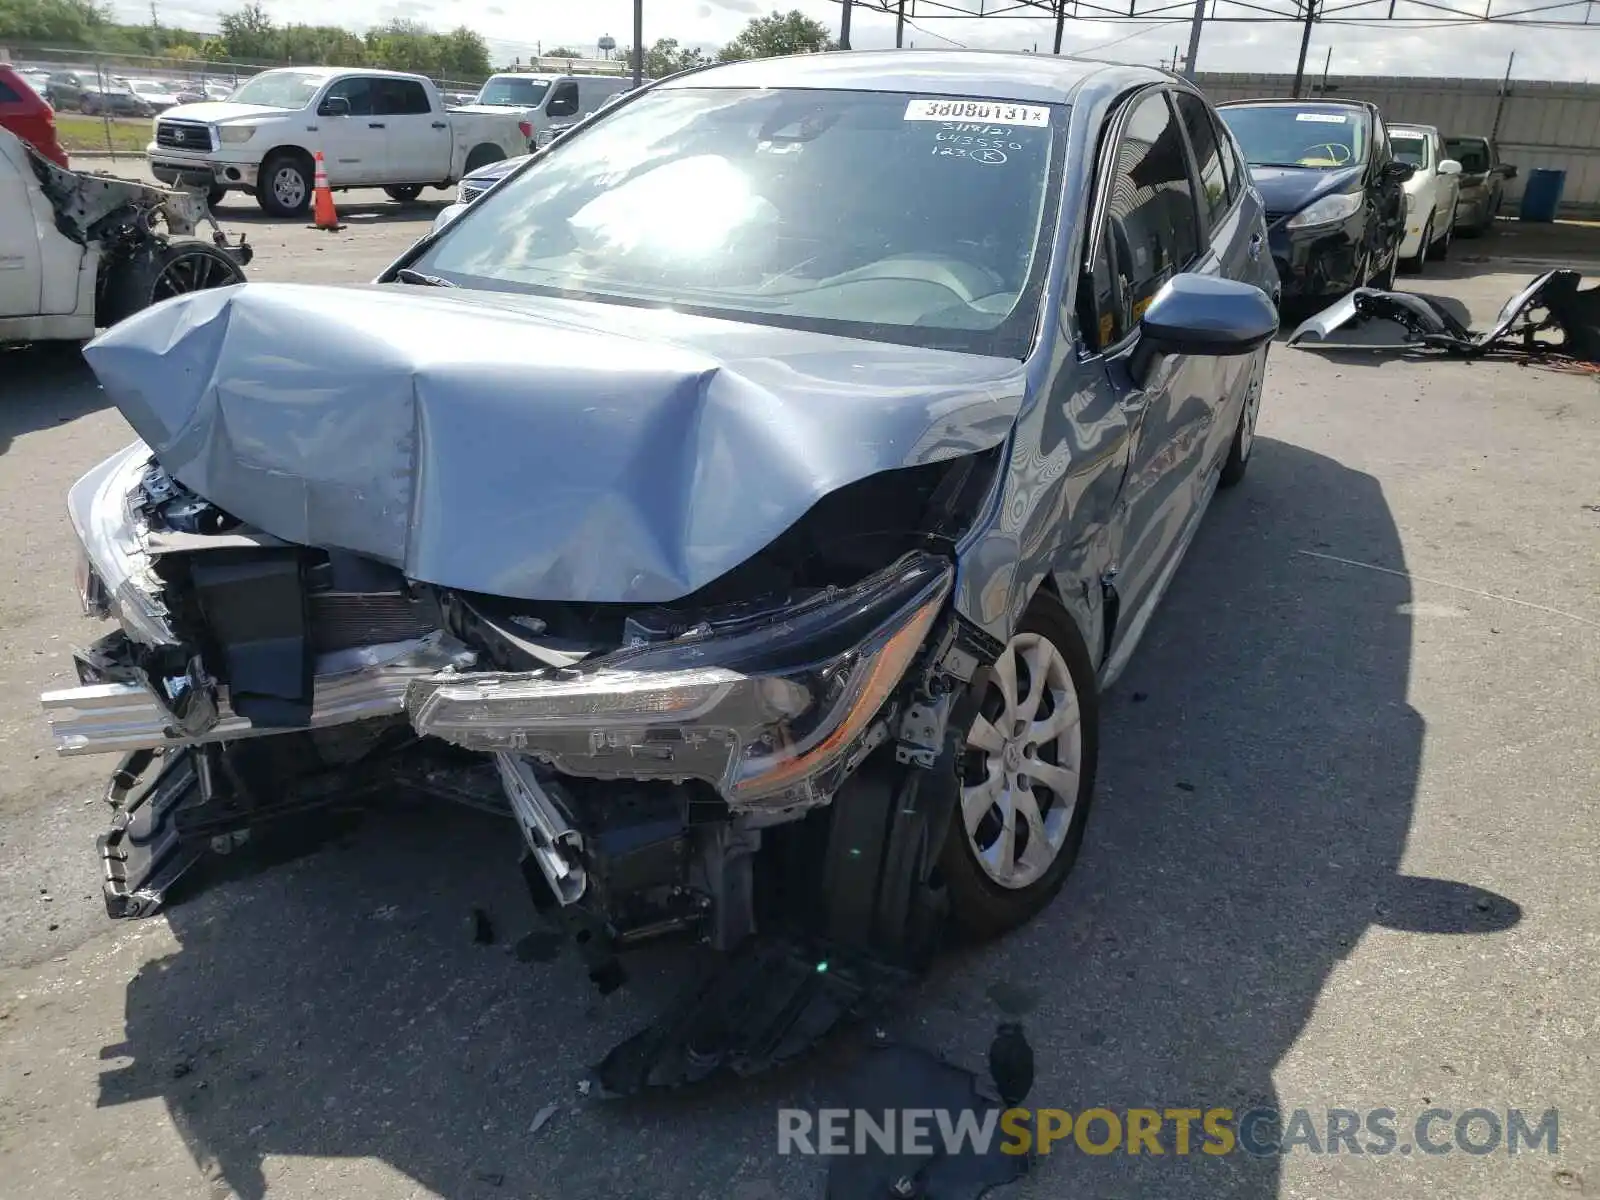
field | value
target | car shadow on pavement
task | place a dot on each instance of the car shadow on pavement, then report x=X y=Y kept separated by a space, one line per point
x=1259 y=762
x=380 y=212
x=43 y=385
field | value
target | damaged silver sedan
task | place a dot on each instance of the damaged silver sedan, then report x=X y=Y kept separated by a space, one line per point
x=749 y=496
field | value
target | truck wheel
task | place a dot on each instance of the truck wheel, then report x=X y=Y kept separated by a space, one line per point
x=405 y=193
x=1027 y=777
x=283 y=188
x=160 y=271
x=214 y=196
x=482 y=156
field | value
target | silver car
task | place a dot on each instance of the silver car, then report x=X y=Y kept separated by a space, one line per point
x=750 y=497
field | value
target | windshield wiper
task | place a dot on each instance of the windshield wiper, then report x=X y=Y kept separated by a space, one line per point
x=407 y=275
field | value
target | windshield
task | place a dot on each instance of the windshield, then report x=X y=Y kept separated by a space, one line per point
x=280 y=89
x=1294 y=135
x=862 y=213
x=1409 y=148
x=512 y=91
x=1471 y=153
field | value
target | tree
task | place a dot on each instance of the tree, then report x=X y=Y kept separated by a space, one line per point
x=65 y=22
x=666 y=57
x=403 y=45
x=463 y=54
x=562 y=52
x=250 y=34
x=779 y=33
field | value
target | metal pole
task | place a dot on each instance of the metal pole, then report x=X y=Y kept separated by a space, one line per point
x=638 y=42
x=844 y=26
x=1500 y=101
x=1326 y=63
x=900 y=26
x=1194 y=39
x=1061 y=22
x=1305 y=44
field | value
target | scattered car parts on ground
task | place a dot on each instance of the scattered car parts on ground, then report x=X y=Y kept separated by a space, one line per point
x=91 y=250
x=1551 y=318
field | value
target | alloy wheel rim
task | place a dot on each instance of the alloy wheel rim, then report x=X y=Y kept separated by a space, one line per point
x=1252 y=409
x=289 y=187
x=1019 y=785
x=194 y=272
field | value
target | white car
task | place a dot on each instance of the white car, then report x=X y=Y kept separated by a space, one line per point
x=81 y=251
x=545 y=101
x=1431 y=193
x=159 y=96
x=373 y=128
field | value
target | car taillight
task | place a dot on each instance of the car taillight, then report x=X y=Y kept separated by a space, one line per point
x=527 y=129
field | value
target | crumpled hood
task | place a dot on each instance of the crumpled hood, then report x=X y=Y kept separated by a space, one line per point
x=1289 y=189
x=529 y=447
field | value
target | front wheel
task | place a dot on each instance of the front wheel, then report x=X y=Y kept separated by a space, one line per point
x=1244 y=435
x=1417 y=261
x=1027 y=777
x=284 y=187
x=160 y=271
x=214 y=196
x=404 y=193
x=1441 y=250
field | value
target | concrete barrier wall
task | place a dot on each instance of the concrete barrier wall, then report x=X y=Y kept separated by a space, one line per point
x=1542 y=124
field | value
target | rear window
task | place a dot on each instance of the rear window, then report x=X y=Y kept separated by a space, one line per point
x=512 y=91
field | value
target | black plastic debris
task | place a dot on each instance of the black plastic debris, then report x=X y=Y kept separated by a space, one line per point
x=480 y=927
x=1550 y=318
x=898 y=1078
x=771 y=1001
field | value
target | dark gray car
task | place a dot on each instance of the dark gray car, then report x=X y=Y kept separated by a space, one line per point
x=750 y=496
x=1483 y=181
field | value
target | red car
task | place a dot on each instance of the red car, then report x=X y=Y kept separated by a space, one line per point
x=24 y=112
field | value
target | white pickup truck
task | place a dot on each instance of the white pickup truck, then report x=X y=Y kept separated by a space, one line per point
x=374 y=128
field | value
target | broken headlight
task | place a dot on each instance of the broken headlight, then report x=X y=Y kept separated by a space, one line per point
x=113 y=578
x=773 y=713
x=1339 y=207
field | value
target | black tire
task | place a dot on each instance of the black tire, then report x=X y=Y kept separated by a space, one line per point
x=214 y=196
x=277 y=193
x=159 y=272
x=1441 y=247
x=482 y=156
x=1244 y=434
x=980 y=907
x=404 y=193
x=1415 y=264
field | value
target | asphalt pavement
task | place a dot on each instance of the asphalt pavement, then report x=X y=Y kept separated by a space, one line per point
x=1344 y=855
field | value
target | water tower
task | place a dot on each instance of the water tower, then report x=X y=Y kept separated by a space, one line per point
x=607 y=44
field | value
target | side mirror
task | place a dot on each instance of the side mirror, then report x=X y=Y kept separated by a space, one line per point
x=334 y=106
x=1449 y=167
x=1204 y=315
x=1398 y=171
x=1507 y=170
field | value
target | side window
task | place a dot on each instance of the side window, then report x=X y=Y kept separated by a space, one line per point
x=8 y=95
x=357 y=89
x=1151 y=225
x=563 y=100
x=1207 y=154
x=1380 y=143
x=1101 y=314
x=401 y=98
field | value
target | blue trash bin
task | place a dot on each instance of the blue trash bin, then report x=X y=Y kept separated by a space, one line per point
x=1541 y=196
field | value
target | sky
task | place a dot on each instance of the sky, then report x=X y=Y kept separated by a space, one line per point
x=515 y=28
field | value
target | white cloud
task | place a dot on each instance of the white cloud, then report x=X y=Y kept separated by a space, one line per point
x=1380 y=50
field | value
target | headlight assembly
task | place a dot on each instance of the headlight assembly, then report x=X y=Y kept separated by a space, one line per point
x=1339 y=207
x=772 y=714
x=232 y=135
x=113 y=574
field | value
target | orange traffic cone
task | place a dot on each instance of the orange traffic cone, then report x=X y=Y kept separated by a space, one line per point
x=323 y=213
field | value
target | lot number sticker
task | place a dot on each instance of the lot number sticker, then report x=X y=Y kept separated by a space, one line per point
x=1321 y=118
x=1029 y=115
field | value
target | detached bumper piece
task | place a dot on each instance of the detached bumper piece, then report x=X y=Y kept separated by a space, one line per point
x=1550 y=318
x=772 y=1001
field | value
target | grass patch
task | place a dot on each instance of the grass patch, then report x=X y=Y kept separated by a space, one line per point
x=79 y=133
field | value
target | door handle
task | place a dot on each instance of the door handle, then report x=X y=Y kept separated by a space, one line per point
x=375 y=125
x=441 y=125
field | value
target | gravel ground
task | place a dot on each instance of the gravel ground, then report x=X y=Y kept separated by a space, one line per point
x=1343 y=856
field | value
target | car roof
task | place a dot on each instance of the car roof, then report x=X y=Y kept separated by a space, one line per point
x=1303 y=102
x=1411 y=126
x=330 y=72
x=991 y=74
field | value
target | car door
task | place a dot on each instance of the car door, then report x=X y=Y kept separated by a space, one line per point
x=1153 y=230
x=19 y=237
x=1385 y=192
x=352 y=144
x=416 y=137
